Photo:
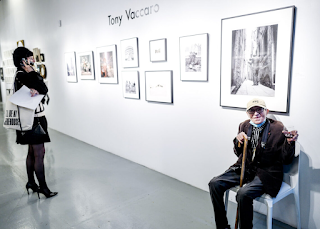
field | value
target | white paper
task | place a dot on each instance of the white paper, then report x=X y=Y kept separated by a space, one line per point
x=23 y=98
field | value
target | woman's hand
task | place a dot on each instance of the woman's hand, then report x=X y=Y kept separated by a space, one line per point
x=33 y=92
x=241 y=136
x=26 y=67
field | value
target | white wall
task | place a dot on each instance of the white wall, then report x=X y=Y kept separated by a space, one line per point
x=190 y=140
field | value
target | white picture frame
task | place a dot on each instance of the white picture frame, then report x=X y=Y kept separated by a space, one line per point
x=71 y=67
x=159 y=86
x=106 y=64
x=158 y=50
x=194 y=57
x=256 y=52
x=130 y=53
x=85 y=64
x=130 y=84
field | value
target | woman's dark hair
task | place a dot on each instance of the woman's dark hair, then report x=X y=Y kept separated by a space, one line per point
x=19 y=53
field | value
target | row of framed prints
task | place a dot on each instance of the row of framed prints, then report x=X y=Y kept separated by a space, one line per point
x=193 y=59
x=158 y=86
x=255 y=59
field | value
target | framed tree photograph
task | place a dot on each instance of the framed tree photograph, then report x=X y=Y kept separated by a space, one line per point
x=256 y=54
x=158 y=50
x=85 y=65
x=70 y=66
x=130 y=53
x=159 y=86
x=130 y=81
x=194 y=57
x=106 y=66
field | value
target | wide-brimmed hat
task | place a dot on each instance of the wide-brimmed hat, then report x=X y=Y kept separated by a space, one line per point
x=19 y=53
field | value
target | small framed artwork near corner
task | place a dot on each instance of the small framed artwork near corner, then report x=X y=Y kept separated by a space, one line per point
x=158 y=50
x=20 y=43
x=85 y=65
x=106 y=64
x=130 y=53
x=130 y=81
x=256 y=52
x=71 y=69
x=194 y=57
x=159 y=86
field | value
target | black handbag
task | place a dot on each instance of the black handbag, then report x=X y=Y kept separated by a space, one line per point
x=37 y=129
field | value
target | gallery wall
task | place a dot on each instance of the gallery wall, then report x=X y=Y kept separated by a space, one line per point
x=191 y=139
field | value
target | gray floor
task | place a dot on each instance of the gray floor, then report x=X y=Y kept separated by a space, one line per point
x=99 y=190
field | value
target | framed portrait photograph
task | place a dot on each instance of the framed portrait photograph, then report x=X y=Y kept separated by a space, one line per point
x=158 y=50
x=70 y=66
x=130 y=53
x=36 y=54
x=159 y=86
x=85 y=65
x=194 y=57
x=106 y=66
x=256 y=54
x=130 y=84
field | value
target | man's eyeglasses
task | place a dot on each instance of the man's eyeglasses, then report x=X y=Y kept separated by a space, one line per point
x=252 y=111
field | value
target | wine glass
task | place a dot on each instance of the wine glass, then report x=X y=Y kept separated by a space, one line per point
x=289 y=129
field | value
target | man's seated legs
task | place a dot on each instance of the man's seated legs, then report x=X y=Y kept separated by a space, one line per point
x=245 y=197
x=217 y=187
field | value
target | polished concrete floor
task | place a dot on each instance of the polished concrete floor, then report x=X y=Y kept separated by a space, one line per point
x=98 y=190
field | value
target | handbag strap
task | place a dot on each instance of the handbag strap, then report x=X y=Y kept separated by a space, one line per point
x=14 y=86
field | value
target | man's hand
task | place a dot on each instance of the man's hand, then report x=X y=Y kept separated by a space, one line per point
x=291 y=136
x=241 y=136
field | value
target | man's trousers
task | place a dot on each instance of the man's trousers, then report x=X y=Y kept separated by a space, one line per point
x=245 y=196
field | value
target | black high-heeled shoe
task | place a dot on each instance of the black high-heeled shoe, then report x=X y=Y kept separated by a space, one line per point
x=46 y=192
x=32 y=186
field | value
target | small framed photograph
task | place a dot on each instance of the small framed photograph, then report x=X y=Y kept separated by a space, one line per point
x=42 y=57
x=36 y=54
x=158 y=50
x=130 y=53
x=85 y=65
x=159 y=86
x=194 y=57
x=130 y=81
x=20 y=43
x=106 y=66
x=71 y=69
x=256 y=52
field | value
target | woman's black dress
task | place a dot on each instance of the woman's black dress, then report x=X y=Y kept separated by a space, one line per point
x=35 y=81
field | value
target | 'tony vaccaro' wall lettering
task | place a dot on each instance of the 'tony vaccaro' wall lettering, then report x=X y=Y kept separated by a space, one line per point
x=132 y=14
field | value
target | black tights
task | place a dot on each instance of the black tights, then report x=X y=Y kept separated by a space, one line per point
x=35 y=164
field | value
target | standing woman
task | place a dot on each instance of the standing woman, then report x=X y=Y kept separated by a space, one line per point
x=23 y=59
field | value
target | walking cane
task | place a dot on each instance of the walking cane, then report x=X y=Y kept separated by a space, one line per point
x=244 y=157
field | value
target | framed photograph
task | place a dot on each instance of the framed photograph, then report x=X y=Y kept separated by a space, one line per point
x=256 y=54
x=130 y=83
x=107 y=68
x=85 y=65
x=36 y=54
x=194 y=57
x=130 y=53
x=159 y=86
x=70 y=66
x=20 y=43
x=158 y=50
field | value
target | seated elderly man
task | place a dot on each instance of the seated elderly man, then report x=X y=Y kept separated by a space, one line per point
x=268 y=149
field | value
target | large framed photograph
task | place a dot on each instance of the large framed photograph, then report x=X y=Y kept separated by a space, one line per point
x=106 y=66
x=71 y=69
x=130 y=81
x=159 y=86
x=194 y=57
x=130 y=53
x=158 y=50
x=256 y=54
x=85 y=65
